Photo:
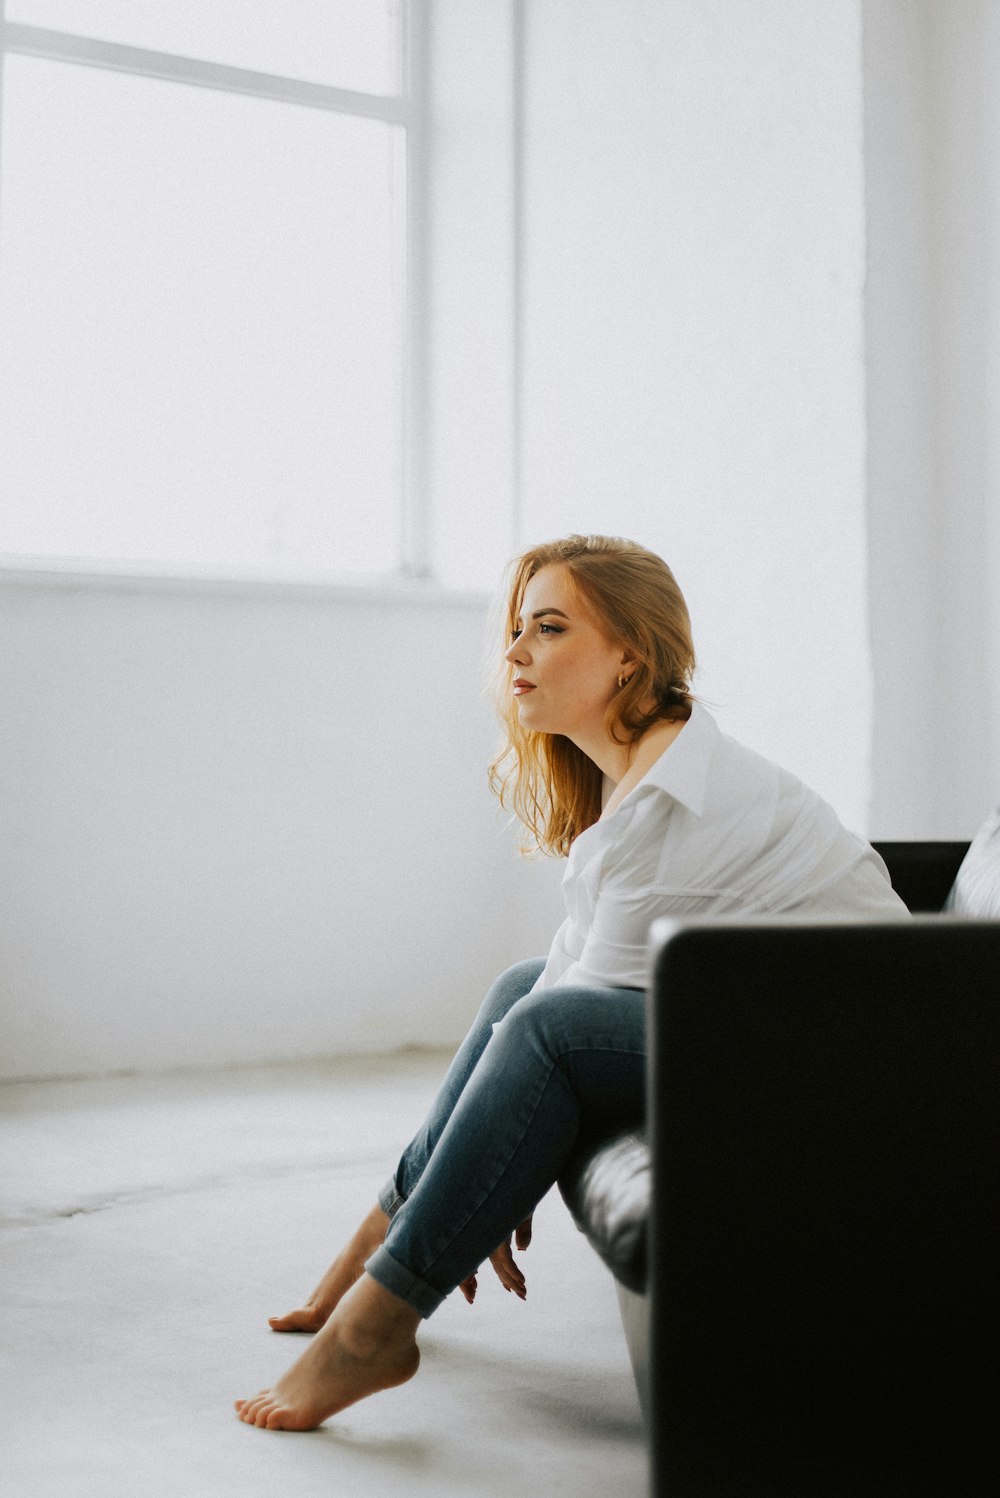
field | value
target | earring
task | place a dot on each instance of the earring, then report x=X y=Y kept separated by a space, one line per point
x=623 y=680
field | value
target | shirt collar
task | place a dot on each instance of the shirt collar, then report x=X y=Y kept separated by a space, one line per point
x=682 y=769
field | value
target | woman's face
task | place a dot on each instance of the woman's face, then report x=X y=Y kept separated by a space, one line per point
x=565 y=669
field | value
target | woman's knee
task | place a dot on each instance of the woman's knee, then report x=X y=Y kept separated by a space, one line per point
x=558 y=1021
x=509 y=989
x=532 y=1025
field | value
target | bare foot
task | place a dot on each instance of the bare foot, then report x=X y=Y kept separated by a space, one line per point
x=368 y=1345
x=346 y=1269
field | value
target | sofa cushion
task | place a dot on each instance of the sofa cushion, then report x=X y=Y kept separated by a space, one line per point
x=976 y=891
x=606 y=1187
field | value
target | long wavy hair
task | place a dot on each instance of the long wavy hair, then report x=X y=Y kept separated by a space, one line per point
x=551 y=785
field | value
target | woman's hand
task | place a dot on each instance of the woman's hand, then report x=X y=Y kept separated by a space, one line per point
x=504 y=1266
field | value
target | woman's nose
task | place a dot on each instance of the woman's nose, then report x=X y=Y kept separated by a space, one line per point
x=515 y=652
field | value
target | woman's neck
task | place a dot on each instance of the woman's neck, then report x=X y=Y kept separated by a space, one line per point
x=635 y=761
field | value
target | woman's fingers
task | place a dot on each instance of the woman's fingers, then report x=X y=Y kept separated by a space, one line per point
x=507 y=1271
x=504 y=1267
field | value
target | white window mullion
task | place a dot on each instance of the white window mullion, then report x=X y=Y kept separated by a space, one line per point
x=37 y=41
x=416 y=560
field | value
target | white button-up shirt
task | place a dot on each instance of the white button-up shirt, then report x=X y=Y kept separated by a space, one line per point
x=711 y=829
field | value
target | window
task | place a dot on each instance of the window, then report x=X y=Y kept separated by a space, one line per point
x=204 y=285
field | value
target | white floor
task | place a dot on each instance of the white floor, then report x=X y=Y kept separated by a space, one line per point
x=148 y=1226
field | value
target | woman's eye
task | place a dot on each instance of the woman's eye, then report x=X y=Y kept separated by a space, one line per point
x=552 y=629
x=514 y=634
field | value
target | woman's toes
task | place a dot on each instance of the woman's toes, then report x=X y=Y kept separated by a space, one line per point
x=249 y=1408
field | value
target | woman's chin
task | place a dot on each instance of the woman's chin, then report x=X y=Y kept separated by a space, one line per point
x=529 y=716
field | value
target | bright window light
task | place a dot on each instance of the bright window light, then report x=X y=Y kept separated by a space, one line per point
x=201 y=316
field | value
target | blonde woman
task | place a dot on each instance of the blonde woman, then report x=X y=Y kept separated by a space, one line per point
x=607 y=758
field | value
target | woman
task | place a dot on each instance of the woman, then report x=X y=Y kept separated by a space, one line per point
x=609 y=759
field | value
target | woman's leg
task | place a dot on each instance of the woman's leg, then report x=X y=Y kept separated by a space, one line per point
x=564 y=1061
x=508 y=990
x=349 y=1264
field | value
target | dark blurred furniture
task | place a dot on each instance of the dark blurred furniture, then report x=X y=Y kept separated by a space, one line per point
x=923 y=874
x=818 y=1314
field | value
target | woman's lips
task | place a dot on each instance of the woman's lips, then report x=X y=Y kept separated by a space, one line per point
x=520 y=687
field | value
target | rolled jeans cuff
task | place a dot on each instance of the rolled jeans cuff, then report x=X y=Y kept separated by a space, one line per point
x=395 y=1277
x=389 y=1198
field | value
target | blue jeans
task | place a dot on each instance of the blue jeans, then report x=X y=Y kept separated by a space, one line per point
x=537 y=1073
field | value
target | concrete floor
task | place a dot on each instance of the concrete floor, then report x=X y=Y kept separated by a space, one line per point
x=148 y=1226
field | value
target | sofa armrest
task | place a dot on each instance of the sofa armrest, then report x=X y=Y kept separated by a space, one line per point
x=922 y=873
x=824 y=1232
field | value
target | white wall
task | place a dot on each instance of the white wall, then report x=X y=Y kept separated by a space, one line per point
x=903 y=484
x=694 y=350
x=237 y=826
x=471 y=290
x=933 y=335
x=240 y=823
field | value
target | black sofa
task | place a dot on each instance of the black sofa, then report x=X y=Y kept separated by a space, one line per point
x=805 y=1236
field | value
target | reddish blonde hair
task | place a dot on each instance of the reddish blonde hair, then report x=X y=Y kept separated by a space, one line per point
x=552 y=786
